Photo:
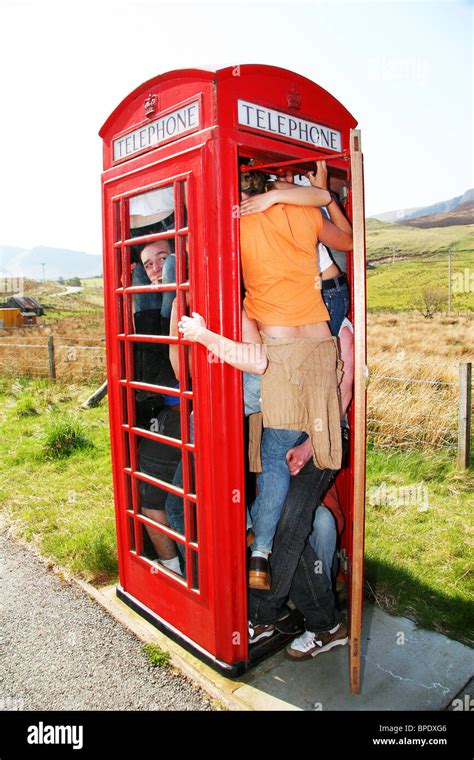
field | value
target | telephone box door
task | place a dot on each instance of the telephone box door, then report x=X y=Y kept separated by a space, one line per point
x=156 y=416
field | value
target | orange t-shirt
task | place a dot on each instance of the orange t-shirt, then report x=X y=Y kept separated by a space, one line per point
x=280 y=265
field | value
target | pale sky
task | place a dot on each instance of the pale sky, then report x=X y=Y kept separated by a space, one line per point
x=403 y=69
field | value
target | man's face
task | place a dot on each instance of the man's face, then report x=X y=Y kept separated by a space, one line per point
x=153 y=258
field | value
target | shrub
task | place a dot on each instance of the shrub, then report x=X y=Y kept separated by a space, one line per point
x=63 y=436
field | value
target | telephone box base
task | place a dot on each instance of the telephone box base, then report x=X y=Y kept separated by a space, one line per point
x=258 y=652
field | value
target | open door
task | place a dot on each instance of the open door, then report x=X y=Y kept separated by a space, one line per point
x=356 y=563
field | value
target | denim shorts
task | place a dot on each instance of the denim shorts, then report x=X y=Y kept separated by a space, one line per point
x=337 y=303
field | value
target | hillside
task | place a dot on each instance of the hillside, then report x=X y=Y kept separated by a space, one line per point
x=463 y=214
x=383 y=238
x=441 y=207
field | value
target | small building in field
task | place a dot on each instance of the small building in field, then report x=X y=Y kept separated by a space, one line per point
x=26 y=304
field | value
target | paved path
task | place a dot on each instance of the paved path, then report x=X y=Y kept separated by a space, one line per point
x=61 y=651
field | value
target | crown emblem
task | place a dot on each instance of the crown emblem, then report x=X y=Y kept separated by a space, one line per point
x=150 y=105
x=294 y=98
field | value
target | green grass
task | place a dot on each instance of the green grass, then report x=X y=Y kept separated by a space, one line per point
x=412 y=241
x=26 y=407
x=417 y=558
x=64 y=505
x=93 y=282
x=419 y=552
x=64 y=435
x=399 y=287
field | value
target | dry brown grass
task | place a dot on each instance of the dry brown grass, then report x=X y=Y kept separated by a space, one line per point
x=414 y=373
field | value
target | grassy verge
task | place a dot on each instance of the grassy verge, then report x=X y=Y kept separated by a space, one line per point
x=419 y=537
x=418 y=542
x=412 y=241
x=63 y=504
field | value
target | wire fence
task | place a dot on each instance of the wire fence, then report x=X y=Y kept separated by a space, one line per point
x=410 y=412
x=404 y=412
x=69 y=361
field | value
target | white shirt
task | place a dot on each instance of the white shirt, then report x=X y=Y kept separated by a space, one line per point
x=324 y=258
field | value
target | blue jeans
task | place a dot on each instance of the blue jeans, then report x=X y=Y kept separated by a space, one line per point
x=337 y=303
x=323 y=540
x=293 y=559
x=274 y=480
x=273 y=483
x=251 y=393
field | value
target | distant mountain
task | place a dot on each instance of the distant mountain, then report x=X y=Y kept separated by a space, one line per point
x=463 y=214
x=59 y=262
x=437 y=208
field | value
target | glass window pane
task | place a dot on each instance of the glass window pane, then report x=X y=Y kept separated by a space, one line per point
x=153 y=209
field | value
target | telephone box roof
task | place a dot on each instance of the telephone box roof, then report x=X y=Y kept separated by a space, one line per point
x=220 y=75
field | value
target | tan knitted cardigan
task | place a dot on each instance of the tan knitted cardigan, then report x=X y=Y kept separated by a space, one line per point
x=300 y=392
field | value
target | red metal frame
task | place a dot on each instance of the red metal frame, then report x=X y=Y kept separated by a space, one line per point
x=213 y=618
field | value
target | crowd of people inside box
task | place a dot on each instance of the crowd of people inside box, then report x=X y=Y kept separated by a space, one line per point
x=296 y=360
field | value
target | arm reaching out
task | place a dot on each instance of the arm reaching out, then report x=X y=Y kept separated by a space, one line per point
x=336 y=233
x=285 y=192
x=248 y=357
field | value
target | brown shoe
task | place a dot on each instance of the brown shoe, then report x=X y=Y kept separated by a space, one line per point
x=250 y=537
x=259 y=573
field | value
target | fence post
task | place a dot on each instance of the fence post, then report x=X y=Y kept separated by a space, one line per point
x=464 y=424
x=52 y=365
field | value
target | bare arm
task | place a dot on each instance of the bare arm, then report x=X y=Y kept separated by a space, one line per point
x=333 y=236
x=248 y=355
x=336 y=233
x=286 y=192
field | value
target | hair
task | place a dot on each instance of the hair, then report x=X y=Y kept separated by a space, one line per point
x=253 y=182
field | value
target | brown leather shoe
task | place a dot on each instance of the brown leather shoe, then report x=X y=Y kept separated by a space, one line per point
x=250 y=537
x=259 y=573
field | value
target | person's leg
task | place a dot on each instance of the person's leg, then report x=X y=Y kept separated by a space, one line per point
x=164 y=546
x=160 y=461
x=312 y=594
x=337 y=304
x=306 y=490
x=323 y=539
x=273 y=483
x=313 y=597
x=174 y=504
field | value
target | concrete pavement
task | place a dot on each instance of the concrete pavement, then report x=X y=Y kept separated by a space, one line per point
x=402 y=668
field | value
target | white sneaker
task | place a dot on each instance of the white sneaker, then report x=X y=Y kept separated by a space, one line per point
x=310 y=644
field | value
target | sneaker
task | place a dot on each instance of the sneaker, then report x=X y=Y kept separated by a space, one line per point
x=257 y=632
x=310 y=644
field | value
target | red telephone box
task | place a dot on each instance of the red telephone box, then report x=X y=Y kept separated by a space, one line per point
x=171 y=173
